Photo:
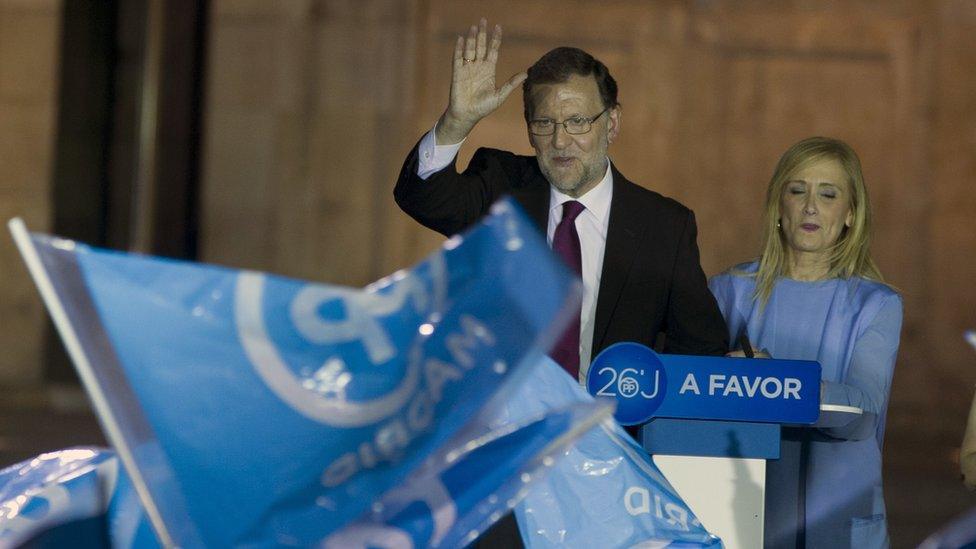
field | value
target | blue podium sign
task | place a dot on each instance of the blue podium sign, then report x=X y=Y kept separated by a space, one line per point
x=647 y=385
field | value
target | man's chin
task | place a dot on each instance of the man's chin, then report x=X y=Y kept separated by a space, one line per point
x=565 y=183
x=566 y=187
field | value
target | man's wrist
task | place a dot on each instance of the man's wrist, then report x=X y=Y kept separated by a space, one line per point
x=450 y=131
x=432 y=157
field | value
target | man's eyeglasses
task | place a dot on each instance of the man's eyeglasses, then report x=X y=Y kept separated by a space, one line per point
x=575 y=125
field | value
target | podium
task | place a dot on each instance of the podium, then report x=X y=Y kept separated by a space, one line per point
x=719 y=468
x=711 y=423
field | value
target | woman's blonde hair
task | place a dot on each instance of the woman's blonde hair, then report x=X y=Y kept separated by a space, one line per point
x=850 y=255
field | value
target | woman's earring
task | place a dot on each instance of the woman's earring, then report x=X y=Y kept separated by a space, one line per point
x=778 y=225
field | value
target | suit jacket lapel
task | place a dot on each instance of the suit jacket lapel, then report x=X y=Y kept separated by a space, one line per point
x=534 y=196
x=624 y=232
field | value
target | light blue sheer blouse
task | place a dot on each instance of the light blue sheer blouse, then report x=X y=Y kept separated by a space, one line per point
x=826 y=486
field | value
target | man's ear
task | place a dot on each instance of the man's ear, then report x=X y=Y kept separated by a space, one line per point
x=613 y=128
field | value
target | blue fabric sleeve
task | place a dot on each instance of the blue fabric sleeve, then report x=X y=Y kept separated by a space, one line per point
x=721 y=287
x=868 y=379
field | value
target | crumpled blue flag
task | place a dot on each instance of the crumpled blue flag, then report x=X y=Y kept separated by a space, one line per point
x=72 y=486
x=81 y=497
x=604 y=491
x=254 y=409
x=462 y=491
x=479 y=476
x=77 y=497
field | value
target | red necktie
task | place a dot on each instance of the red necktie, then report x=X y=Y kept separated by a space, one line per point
x=566 y=243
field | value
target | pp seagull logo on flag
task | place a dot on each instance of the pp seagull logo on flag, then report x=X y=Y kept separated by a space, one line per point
x=334 y=323
x=252 y=409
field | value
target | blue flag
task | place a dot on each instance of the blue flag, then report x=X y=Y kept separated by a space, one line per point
x=489 y=467
x=604 y=491
x=77 y=497
x=82 y=497
x=254 y=409
x=72 y=486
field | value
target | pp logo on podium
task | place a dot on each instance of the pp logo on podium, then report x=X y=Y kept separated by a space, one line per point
x=634 y=376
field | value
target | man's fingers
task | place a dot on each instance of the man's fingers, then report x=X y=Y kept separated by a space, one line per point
x=510 y=85
x=459 y=52
x=482 y=39
x=470 y=47
x=496 y=42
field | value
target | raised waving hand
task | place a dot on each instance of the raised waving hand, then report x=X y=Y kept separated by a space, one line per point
x=473 y=92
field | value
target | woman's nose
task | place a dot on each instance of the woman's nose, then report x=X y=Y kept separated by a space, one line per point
x=810 y=207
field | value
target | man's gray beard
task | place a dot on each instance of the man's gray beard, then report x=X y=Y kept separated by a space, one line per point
x=573 y=186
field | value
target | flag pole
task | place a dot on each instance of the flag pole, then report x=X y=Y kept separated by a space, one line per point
x=71 y=342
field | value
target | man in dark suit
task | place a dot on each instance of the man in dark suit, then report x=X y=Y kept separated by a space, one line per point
x=635 y=250
x=640 y=265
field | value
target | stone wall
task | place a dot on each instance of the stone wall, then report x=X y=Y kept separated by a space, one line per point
x=29 y=49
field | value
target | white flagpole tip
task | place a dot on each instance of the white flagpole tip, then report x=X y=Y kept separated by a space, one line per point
x=16 y=224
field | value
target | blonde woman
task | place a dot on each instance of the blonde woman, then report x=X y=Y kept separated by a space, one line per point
x=815 y=294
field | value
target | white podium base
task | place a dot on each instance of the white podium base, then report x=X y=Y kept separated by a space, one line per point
x=726 y=494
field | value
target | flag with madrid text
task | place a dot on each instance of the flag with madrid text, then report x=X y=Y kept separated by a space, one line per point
x=248 y=408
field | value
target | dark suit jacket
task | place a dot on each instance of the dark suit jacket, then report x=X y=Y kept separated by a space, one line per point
x=652 y=280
